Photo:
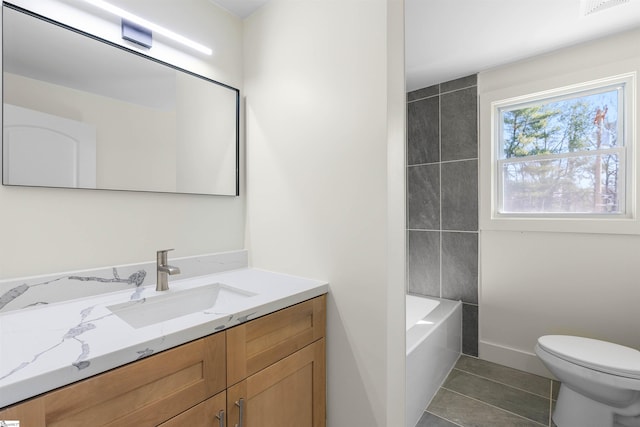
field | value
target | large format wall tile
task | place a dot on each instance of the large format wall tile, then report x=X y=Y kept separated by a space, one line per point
x=461 y=83
x=423 y=93
x=470 y=329
x=424 y=263
x=460 y=266
x=460 y=195
x=442 y=197
x=423 y=185
x=423 y=131
x=459 y=124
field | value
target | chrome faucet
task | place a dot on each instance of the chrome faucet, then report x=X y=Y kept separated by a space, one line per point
x=164 y=270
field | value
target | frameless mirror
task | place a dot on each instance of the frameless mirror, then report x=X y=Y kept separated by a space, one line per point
x=81 y=112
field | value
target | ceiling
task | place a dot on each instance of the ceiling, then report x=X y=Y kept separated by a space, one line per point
x=447 y=39
x=240 y=8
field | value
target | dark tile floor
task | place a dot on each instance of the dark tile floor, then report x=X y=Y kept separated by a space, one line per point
x=478 y=393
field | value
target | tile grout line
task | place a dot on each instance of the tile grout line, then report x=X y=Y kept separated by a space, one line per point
x=423 y=98
x=459 y=89
x=550 y=402
x=501 y=383
x=492 y=406
x=439 y=93
x=470 y=159
x=440 y=185
x=446 y=419
x=461 y=231
x=444 y=231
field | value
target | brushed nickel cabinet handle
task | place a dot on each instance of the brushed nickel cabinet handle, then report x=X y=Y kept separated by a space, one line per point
x=220 y=418
x=240 y=405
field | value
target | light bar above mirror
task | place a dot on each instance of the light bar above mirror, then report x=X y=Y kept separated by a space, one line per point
x=114 y=10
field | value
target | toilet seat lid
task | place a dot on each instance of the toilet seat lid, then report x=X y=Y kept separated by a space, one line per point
x=594 y=354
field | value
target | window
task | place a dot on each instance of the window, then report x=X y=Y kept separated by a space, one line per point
x=565 y=152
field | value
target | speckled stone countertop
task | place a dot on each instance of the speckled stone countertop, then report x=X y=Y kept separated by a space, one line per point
x=47 y=346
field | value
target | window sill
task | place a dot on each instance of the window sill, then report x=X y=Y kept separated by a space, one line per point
x=564 y=225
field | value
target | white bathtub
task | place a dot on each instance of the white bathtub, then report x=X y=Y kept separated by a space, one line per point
x=434 y=342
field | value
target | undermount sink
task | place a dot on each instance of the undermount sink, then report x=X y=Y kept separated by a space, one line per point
x=177 y=303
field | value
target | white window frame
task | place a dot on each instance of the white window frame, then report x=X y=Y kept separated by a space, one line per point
x=490 y=216
x=621 y=84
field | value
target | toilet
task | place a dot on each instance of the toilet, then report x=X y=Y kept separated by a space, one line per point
x=600 y=381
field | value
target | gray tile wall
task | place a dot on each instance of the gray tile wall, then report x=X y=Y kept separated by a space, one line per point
x=442 y=199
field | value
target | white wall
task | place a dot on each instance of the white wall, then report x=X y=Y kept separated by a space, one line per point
x=205 y=156
x=396 y=215
x=325 y=182
x=150 y=144
x=537 y=283
x=51 y=230
x=325 y=85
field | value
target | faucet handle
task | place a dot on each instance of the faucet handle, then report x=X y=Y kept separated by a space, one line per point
x=161 y=256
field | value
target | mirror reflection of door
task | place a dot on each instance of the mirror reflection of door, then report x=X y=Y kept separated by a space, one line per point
x=45 y=150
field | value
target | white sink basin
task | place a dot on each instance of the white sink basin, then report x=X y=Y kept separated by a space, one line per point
x=177 y=303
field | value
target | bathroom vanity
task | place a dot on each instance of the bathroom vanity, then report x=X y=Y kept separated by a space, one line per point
x=242 y=347
x=269 y=370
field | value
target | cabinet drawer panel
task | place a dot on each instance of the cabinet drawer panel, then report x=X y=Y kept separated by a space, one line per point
x=143 y=405
x=29 y=413
x=202 y=415
x=143 y=393
x=255 y=345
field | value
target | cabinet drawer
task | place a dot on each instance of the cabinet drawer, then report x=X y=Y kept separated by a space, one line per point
x=255 y=345
x=29 y=413
x=210 y=413
x=146 y=392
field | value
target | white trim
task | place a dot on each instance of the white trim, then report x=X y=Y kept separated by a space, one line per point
x=513 y=358
x=567 y=92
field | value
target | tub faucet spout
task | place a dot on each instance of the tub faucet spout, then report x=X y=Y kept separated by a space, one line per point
x=164 y=270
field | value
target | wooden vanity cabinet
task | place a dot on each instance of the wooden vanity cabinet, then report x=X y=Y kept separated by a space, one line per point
x=276 y=371
x=272 y=367
x=143 y=393
x=290 y=392
x=210 y=413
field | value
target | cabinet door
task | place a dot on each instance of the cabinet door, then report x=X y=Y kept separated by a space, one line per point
x=142 y=393
x=289 y=393
x=259 y=343
x=210 y=413
x=30 y=413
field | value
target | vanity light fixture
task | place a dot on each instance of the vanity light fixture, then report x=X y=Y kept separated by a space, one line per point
x=107 y=7
x=136 y=34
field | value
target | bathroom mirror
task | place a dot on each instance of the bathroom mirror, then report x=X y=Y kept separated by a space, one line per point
x=81 y=112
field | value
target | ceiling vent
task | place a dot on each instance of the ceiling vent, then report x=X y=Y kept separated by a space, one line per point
x=590 y=7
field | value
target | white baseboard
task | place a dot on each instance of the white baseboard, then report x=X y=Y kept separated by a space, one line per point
x=512 y=358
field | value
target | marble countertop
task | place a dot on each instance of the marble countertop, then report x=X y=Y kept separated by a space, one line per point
x=45 y=347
